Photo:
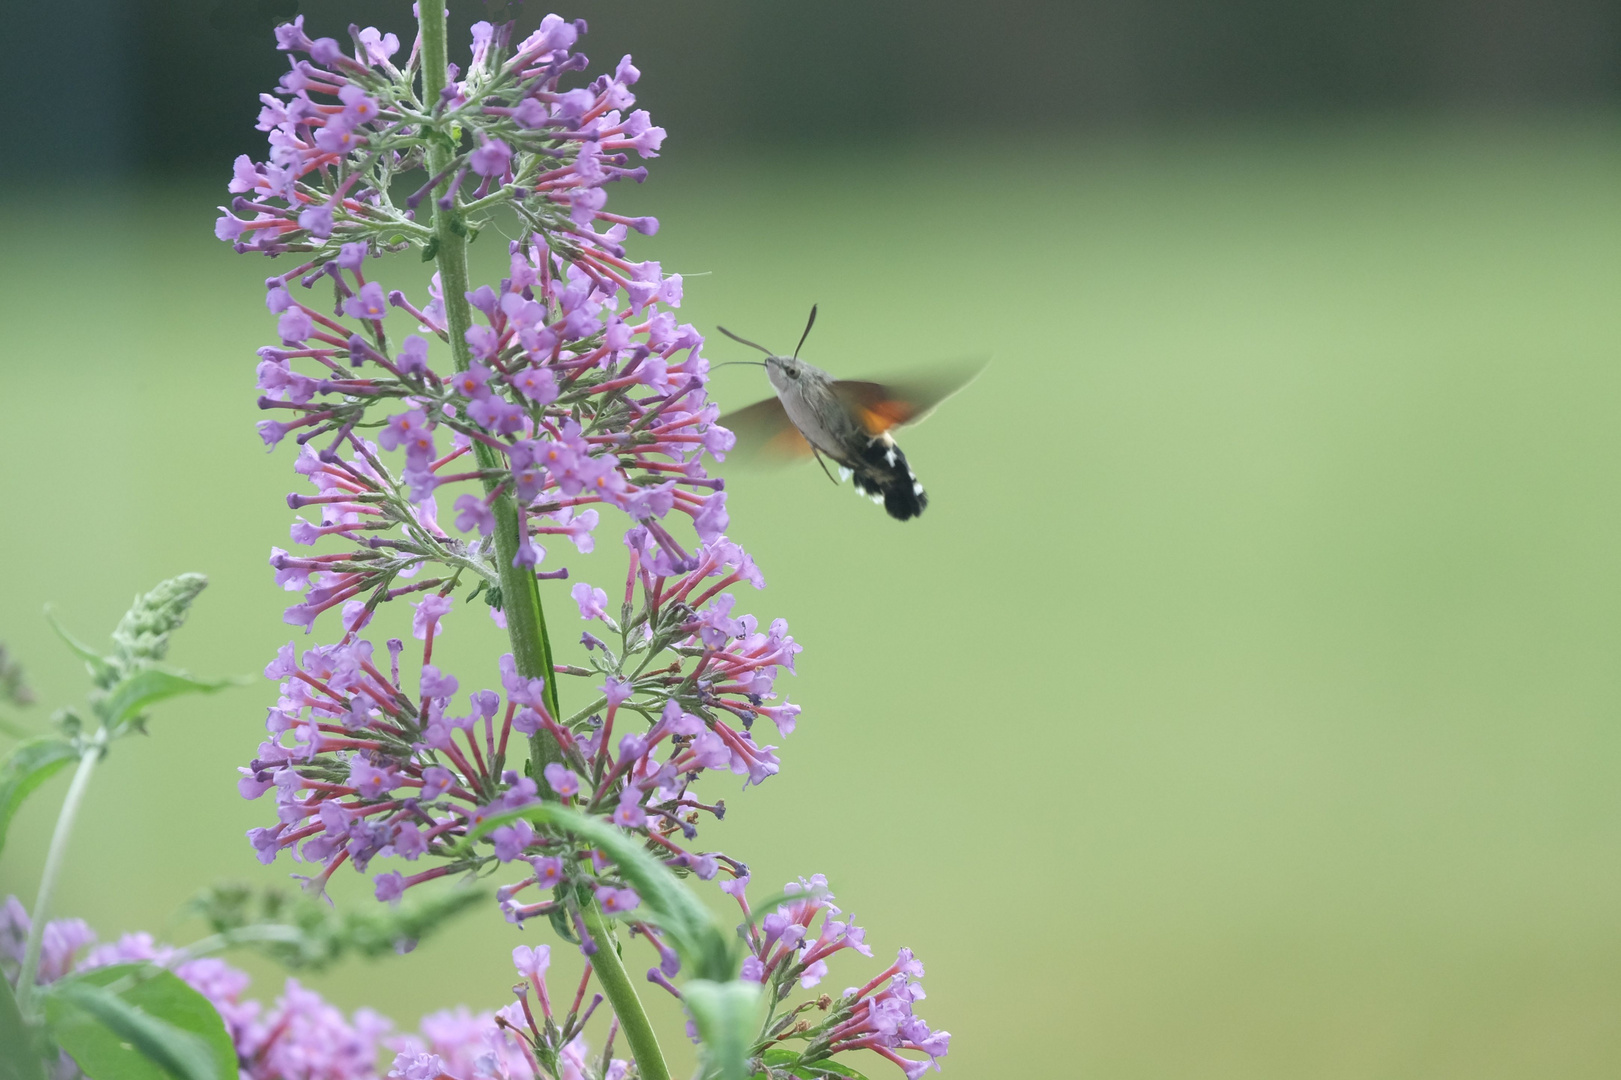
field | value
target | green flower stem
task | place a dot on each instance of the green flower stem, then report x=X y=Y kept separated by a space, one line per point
x=520 y=593
x=616 y=986
x=53 y=867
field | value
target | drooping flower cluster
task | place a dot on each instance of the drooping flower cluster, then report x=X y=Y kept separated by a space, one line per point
x=787 y=952
x=573 y=392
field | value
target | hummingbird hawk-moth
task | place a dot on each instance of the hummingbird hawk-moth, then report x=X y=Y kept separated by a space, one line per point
x=843 y=420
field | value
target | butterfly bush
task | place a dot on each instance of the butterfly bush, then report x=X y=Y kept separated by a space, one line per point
x=582 y=396
x=470 y=441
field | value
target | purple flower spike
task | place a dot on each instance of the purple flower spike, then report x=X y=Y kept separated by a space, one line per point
x=586 y=397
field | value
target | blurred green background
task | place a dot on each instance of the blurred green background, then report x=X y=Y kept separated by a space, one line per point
x=1246 y=704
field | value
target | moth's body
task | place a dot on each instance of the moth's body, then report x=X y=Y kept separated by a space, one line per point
x=845 y=421
x=825 y=418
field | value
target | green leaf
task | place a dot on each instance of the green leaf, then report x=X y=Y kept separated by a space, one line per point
x=727 y=1015
x=19 y=1062
x=142 y=635
x=301 y=933
x=780 y=1057
x=132 y=1022
x=102 y=670
x=706 y=948
x=29 y=765
x=134 y=693
x=833 y=1068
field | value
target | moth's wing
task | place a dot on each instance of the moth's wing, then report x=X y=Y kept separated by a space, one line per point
x=908 y=399
x=765 y=434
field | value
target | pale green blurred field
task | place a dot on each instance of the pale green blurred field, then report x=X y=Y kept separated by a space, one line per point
x=1247 y=705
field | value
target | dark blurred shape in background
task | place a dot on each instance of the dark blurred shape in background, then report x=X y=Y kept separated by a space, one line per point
x=161 y=85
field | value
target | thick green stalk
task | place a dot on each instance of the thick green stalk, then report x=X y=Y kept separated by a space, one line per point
x=520 y=593
x=47 y=880
x=616 y=986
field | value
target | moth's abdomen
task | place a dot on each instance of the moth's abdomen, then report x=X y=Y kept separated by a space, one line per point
x=882 y=472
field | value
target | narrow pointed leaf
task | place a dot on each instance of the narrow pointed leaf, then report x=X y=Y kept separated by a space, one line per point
x=29 y=765
x=727 y=1015
x=134 y=693
x=154 y=1027
x=783 y=1059
x=833 y=1068
x=19 y=1062
x=101 y=669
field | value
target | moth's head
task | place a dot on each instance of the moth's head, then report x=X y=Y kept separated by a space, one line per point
x=785 y=372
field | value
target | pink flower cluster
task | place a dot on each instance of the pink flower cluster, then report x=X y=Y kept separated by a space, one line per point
x=786 y=948
x=343 y=124
x=364 y=766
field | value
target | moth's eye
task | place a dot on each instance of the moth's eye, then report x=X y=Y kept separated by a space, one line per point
x=791 y=372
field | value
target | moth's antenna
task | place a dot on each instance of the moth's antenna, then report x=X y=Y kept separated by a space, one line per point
x=806 y=334
x=744 y=341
